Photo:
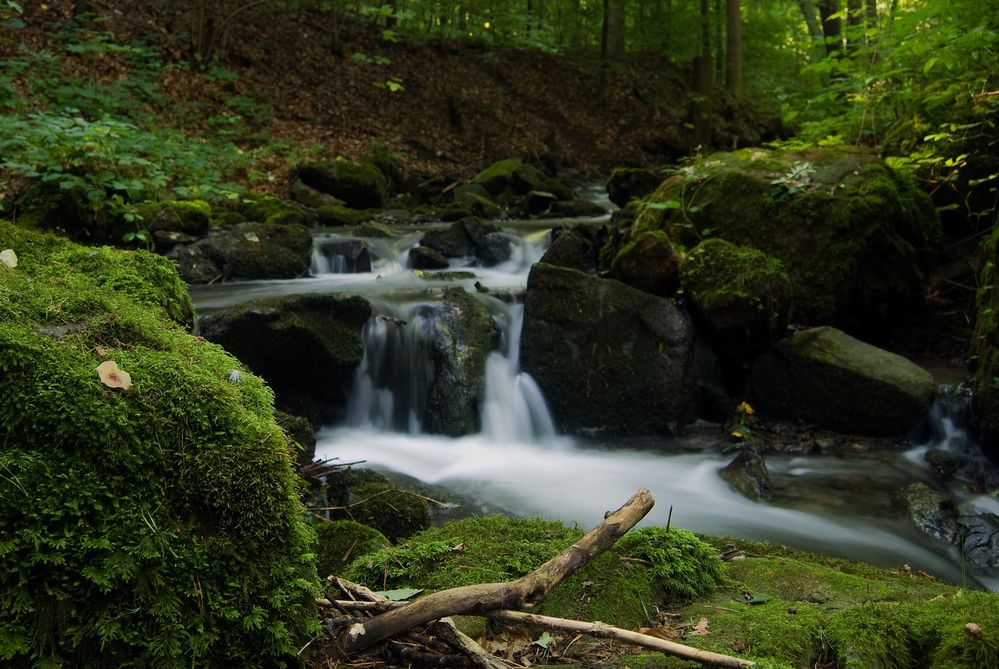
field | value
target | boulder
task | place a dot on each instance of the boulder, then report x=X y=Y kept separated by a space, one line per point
x=307 y=347
x=628 y=183
x=335 y=216
x=451 y=242
x=609 y=358
x=576 y=247
x=344 y=256
x=649 y=263
x=247 y=251
x=424 y=257
x=340 y=542
x=462 y=338
x=307 y=196
x=975 y=534
x=575 y=209
x=742 y=295
x=477 y=200
x=853 y=235
x=748 y=475
x=511 y=177
x=146 y=509
x=300 y=431
x=829 y=379
x=360 y=185
x=267 y=209
x=190 y=217
x=492 y=249
x=374 y=229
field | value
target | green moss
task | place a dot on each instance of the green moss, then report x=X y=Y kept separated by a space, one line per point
x=682 y=566
x=395 y=513
x=188 y=216
x=272 y=210
x=139 y=523
x=343 y=541
x=332 y=215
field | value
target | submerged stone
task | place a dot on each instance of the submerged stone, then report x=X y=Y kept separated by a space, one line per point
x=609 y=358
x=833 y=381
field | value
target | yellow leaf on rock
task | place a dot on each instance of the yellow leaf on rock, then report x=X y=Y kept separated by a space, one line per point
x=113 y=377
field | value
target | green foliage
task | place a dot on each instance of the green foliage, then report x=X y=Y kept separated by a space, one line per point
x=683 y=566
x=342 y=542
x=152 y=526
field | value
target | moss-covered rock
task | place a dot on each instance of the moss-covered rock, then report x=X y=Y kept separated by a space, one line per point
x=269 y=209
x=335 y=216
x=836 y=382
x=139 y=522
x=748 y=475
x=463 y=333
x=306 y=346
x=985 y=348
x=609 y=358
x=247 y=251
x=375 y=230
x=344 y=541
x=394 y=512
x=510 y=176
x=300 y=431
x=628 y=183
x=307 y=196
x=477 y=200
x=649 y=263
x=424 y=257
x=191 y=217
x=852 y=234
x=742 y=295
x=360 y=185
x=576 y=247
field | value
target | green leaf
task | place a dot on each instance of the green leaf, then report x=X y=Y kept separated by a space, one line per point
x=544 y=640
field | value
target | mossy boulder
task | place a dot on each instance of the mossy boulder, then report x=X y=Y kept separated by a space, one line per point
x=344 y=541
x=575 y=209
x=649 y=262
x=742 y=295
x=393 y=512
x=748 y=475
x=576 y=247
x=268 y=209
x=853 y=235
x=335 y=216
x=307 y=347
x=462 y=337
x=477 y=200
x=190 y=217
x=360 y=185
x=424 y=257
x=628 y=183
x=663 y=565
x=309 y=197
x=301 y=433
x=510 y=176
x=609 y=358
x=247 y=251
x=985 y=349
x=833 y=381
x=139 y=521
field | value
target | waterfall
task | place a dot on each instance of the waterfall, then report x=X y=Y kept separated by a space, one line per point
x=392 y=382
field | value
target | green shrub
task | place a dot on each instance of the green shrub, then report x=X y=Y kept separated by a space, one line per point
x=157 y=525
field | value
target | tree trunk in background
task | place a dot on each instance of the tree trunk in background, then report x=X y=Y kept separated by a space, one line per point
x=719 y=50
x=703 y=84
x=613 y=29
x=814 y=28
x=855 y=13
x=733 y=51
x=832 y=28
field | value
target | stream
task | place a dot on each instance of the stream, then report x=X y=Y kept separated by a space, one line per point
x=519 y=464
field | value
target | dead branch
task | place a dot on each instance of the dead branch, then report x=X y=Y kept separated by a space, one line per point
x=609 y=632
x=486 y=597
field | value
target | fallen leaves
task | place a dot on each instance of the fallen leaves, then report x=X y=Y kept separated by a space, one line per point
x=112 y=376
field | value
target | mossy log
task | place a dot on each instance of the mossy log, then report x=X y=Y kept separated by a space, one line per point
x=487 y=597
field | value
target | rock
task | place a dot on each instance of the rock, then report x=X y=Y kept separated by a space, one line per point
x=343 y=541
x=130 y=492
x=628 y=183
x=477 y=201
x=492 y=249
x=165 y=240
x=609 y=358
x=345 y=256
x=395 y=513
x=742 y=295
x=247 y=251
x=930 y=512
x=424 y=257
x=299 y=429
x=980 y=544
x=748 y=475
x=271 y=210
x=189 y=217
x=451 y=242
x=538 y=202
x=833 y=381
x=374 y=229
x=648 y=263
x=307 y=196
x=576 y=247
x=334 y=216
x=561 y=190
x=512 y=177
x=463 y=334
x=576 y=209
x=307 y=347
x=360 y=185
x=853 y=235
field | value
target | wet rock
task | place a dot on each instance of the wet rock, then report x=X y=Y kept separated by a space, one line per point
x=748 y=475
x=424 y=257
x=307 y=347
x=648 y=263
x=374 y=229
x=610 y=359
x=511 y=176
x=492 y=249
x=931 y=512
x=451 y=242
x=538 y=202
x=980 y=539
x=576 y=247
x=247 y=251
x=359 y=185
x=833 y=381
x=308 y=196
x=978 y=472
x=743 y=296
x=463 y=333
x=346 y=256
x=576 y=209
x=628 y=183
x=477 y=201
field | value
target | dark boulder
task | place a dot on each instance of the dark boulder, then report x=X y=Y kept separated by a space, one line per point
x=833 y=381
x=246 y=251
x=424 y=257
x=307 y=347
x=360 y=185
x=627 y=183
x=748 y=475
x=576 y=247
x=576 y=209
x=344 y=256
x=610 y=359
x=649 y=263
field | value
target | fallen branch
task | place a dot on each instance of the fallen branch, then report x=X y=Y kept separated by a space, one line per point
x=487 y=597
x=609 y=632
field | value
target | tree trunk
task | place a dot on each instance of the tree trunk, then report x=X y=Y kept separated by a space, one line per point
x=733 y=51
x=483 y=598
x=613 y=29
x=832 y=28
x=703 y=84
